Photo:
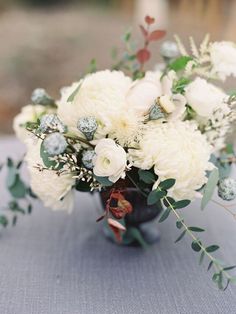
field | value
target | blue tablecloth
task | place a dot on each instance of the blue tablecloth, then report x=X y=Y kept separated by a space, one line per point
x=52 y=262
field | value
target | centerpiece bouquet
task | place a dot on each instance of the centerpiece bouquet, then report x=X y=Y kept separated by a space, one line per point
x=149 y=142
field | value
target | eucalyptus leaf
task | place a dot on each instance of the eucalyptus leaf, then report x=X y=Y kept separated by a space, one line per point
x=196 y=246
x=181 y=204
x=165 y=214
x=11 y=176
x=3 y=220
x=18 y=190
x=181 y=236
x=196 y=229
x=167 y=184
x=104 y=181
x=146 y=176
x=136 y=234
x=75 y=92
x=201 y=257
x=154 y=196
x=210 y=187
x=212 y=248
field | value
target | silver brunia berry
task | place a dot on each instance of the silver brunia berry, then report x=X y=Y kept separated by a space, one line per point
x=156 y=112
x=41 y=97
x=227 y=189
x=55 y=144
x=87 y=158
x=169 y=50
x=87 y=126
x=50 y=122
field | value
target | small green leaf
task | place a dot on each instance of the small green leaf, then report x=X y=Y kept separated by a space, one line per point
x=165 y=214
x=229 y=268
x=14 y=220
x=181 y=236
x=212 y=248
x=210 y=265
x=180 y=63
x=29 y=209
x=11 y=176
x=168 y=201
x=104 y=181
x=18 y=190
x=179 y=86
x=196 y=229
x=167 y=184
x=201 y=257
x=136 y=234
x=154 y=196
x=179 y=223
x=196 y=246
x=181 y=204
x=3 y=220
x=227 y=284
x=146 y=176
x=46 y=158
x=72 y=96
x=210 y=187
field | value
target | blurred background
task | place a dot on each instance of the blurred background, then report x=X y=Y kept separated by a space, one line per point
x=49 y=43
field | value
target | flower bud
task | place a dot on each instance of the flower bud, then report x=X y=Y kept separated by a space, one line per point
x=227 y=189
x=55 y=144
x=51 y=122
x=40 y=97
x=87 y=126
x=87 y=158
x=169 y=50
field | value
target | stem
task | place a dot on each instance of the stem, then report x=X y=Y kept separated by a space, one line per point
x=216 y=265
x=226 y=208
x=80 y=139
x=136 y=185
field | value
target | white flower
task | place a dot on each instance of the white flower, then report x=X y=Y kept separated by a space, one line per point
x=223 y=58
x=176 y=150
x=204 y=97
x=54 y=191
x=144 y=92
x=100 y=95
x=29 y=113
x=110 y=160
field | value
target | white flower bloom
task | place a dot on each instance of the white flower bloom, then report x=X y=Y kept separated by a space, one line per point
x=110 y=160
x=29 y=113
x=144 y=92
x=204 y=97
x=100 y=95
x=54 y=191
x=223 y=58
x=176 y=150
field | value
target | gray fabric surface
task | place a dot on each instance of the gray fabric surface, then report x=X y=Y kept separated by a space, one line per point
x=52 y=262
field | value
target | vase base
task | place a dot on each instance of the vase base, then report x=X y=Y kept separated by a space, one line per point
x=148 y=231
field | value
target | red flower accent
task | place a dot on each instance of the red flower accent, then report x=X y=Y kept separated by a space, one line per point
x=143 y=55
x=149 y=20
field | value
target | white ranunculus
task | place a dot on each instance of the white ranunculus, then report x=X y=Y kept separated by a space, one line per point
x=110 y=160
x=54 y=191
x=204 y=97
x=223 y=58
x=176 y=150
x=100 y=95
x=29 y=113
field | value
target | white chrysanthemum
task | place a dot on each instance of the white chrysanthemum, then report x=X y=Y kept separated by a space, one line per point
x=54 y=191
x=125 y=127
x=29 y=113
x=100 y=95
x=223 y=58
x=176 y=150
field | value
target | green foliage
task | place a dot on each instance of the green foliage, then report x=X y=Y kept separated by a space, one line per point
x=167 y=184
x=180 y=63
x=92 y=68
x=210 y=187
x=196 y=245
x=155 y=196
x=146 y=176
x=165 y=214
x=75 y=92
x=135 y=234
x=181 y=204
x=180 y=85
x=104 y=181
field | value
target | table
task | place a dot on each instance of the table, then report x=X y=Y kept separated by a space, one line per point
x=52 y=262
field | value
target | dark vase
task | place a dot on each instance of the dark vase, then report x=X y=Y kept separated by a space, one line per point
x=140 y=222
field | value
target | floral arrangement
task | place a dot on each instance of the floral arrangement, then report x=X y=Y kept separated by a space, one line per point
x=162 y=132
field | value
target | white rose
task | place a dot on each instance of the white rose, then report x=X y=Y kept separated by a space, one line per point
x=53 y=190
x=204 y=97
x=223 y=58
x=110 y=160
x=143 y=93
x=29 y=113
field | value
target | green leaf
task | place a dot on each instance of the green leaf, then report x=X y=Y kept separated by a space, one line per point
x=72 y=96
x=201 y=257
x=179 y=223
x=181 y=236
x=196 y=229
x=18 y=190
x=11 y=176
x=167 y=184
x=146 y=176
x=14 y=220
x=136 y=234
x=82 y=186
x=10 y=162
x=212 y=248
x=210 y=187
x=179 y=86
x=46 y=158
x=168 y=201
x=29 y=209
x=227 y=284
x=229 y=268
x=165 y=214
x=3 y=220
x=180 y=63
x=181 y=204
x=154 y=196
x=104 y=181
x=196 y=246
